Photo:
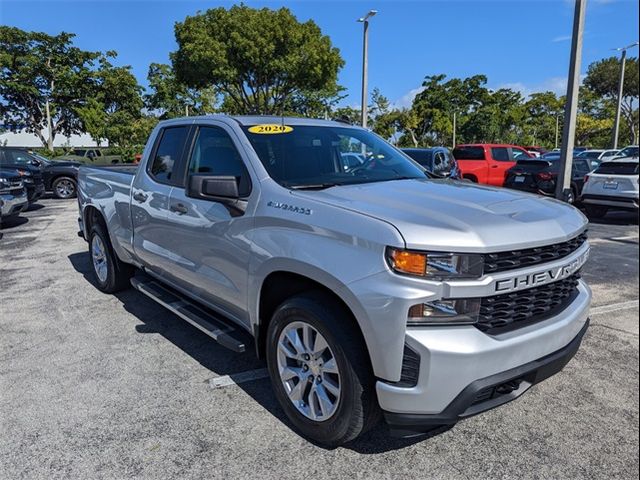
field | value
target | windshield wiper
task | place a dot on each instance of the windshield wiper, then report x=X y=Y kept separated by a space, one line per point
x=313 y=186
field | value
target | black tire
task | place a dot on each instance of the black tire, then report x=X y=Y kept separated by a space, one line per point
x=596 y=211
x=572 y=198
x=357 y=410
x=118 y=273
x=64 y=188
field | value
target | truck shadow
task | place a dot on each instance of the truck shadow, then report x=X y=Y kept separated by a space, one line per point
x=220 y=361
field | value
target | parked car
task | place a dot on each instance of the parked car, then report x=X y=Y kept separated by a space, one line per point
x=487 y=163
x=540 y=175
x=608 y=155
x=59 y=177
x=613 y=185
x=13 y=195
x=368 y=290
x=19 y=160
x=437 y=160
x=593 y=156
x=93 y=156
x=630 y=151
x=535 y=151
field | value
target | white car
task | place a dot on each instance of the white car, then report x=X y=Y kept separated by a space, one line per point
x=613 y=184
x=608 y=155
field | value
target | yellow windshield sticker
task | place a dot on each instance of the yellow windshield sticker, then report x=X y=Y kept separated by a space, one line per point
x=270 y=129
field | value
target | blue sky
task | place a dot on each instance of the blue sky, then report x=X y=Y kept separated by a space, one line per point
x=520 y=44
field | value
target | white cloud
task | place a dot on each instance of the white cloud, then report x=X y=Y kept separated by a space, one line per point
x=406 y=100
x=561 y=38
x=557 y=85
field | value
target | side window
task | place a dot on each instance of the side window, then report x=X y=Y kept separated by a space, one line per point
x=519 y=154
x=500 y=154
x=215 y=154
x=439 y=162
x=168 y=153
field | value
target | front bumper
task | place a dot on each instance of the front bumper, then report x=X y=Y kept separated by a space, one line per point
x=35 y=191
x=487 y=393
x=453 y=358
x=13 y=203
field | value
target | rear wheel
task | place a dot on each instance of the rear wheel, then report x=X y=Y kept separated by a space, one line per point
x=596 y=211
x=64 y=187
x=110 y=273
x=320 y=370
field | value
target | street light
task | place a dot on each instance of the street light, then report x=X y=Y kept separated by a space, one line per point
x=365 y=47
x=623 y=59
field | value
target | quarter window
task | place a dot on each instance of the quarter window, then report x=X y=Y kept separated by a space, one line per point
x=168 y=153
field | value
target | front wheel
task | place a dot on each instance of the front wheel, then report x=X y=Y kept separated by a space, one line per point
x=320 y=370
x=64 y=187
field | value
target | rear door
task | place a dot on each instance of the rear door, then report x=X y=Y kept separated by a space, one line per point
x=501 y=161
x=150 y=195
x=207 y=237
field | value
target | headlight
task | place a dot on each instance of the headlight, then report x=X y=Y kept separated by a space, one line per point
x=458 y=311
x=435 y=265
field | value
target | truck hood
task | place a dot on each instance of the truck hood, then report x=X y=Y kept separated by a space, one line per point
x=445 y=215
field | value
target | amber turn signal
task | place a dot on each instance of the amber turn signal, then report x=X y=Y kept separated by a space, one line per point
x=408 y=262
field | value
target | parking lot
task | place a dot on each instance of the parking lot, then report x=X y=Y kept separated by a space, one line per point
x=100 y=386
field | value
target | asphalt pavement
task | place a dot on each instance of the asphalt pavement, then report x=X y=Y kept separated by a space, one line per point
x=99 y=386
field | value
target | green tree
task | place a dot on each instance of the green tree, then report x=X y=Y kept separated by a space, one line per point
x=603 y=79
x=116 y=101
x=171 y=99
x=44 y=79
x=257 y=59
x=542 y=113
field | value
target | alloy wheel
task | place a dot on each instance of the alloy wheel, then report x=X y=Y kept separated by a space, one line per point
x=308 y=371
x=65 y=188
x=99 y=257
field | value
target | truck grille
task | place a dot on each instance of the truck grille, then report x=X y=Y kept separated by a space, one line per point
x=503 y=261
x=517 y=309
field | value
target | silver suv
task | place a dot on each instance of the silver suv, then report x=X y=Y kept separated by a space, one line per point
x=369 y=287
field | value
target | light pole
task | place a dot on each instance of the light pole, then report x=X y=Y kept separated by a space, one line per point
x=365 y=48
x=623 y=59
x=563 y=189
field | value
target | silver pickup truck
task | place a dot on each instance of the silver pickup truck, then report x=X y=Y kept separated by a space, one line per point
x=370 y=288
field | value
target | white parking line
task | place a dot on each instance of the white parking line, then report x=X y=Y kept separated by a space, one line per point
x=614 y=307
x=236 y=378
x=628 y=237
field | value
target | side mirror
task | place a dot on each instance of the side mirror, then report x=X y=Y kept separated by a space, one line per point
x=212 y=187
x=35 y=163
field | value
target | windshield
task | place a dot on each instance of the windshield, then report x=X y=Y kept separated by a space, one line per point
x=628 y=152
x=325 y=156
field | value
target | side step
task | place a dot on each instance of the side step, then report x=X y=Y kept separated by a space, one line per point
x=207 y=322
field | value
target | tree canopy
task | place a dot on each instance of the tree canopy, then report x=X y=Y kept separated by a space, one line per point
x=44 y=79
x=259 y=60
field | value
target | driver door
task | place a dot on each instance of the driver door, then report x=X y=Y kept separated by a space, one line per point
x=208 y=237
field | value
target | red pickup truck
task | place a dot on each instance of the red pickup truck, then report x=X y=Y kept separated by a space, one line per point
x=487 y=162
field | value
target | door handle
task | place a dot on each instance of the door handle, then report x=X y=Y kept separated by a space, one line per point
x=494 y=166
x=140 y=197
x=179 y=208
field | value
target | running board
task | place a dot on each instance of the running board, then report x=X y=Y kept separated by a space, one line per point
x=207 y=322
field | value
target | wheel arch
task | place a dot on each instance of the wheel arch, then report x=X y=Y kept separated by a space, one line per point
x=280 y=284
